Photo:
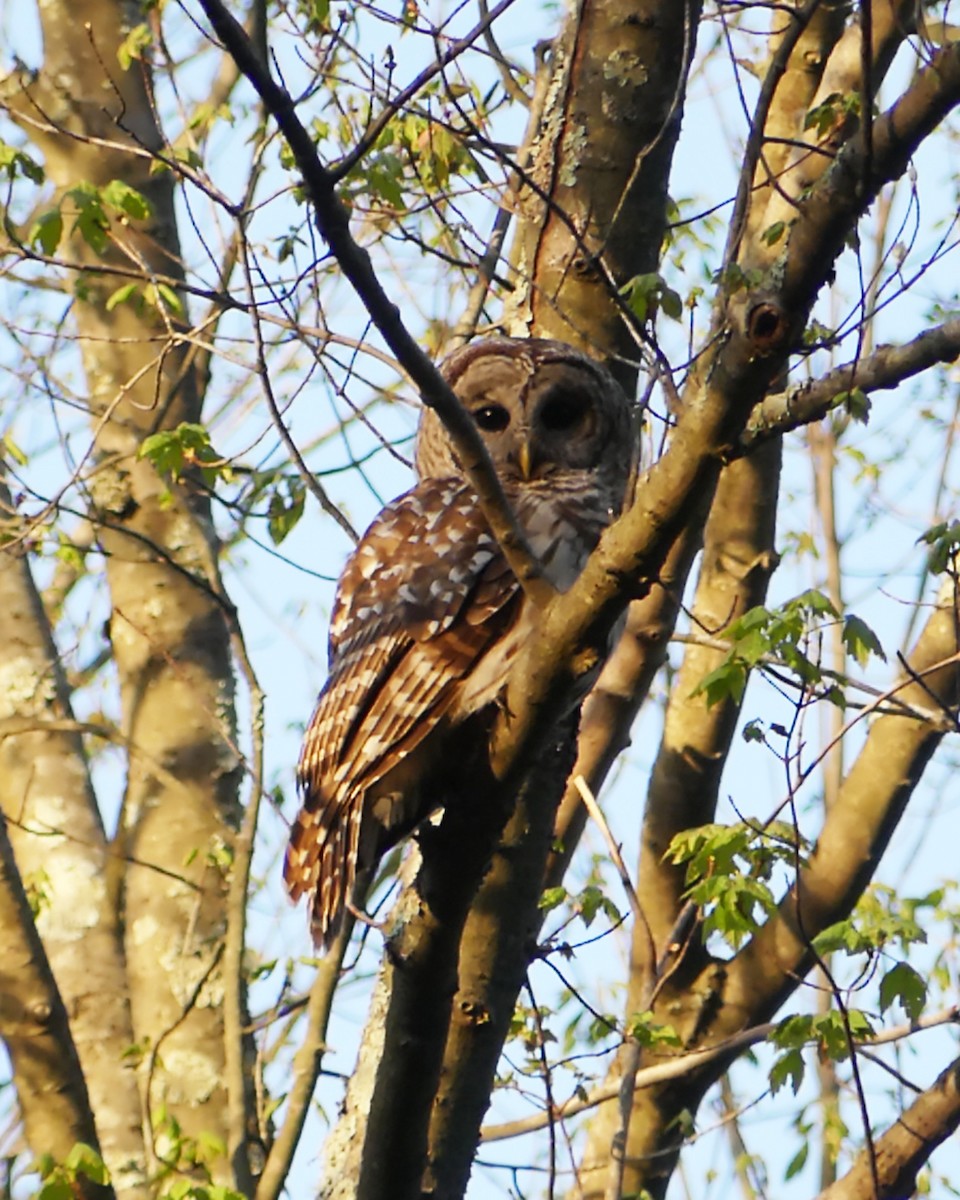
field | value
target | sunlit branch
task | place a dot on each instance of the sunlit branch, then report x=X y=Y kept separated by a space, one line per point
x=887 y=367
x=687 y=1064
x=46 y=1070
x=306 y=1068
x=906 y=1146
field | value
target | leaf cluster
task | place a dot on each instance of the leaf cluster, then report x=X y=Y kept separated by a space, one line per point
x=782 y=636
x=728 y=873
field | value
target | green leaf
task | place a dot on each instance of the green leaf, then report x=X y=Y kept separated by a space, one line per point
x=164 y=450
x=944 y=542
x=55 y=1189
x=552 y=898
x=173 y=450
x=124 y=198
x=726 y=682
x=84 y=1160
x=285 y=508
x=792 y=1032
x=734 y=903
x=591 y=901
x=789 y=1068
x=670 y=303
x=47 y=231
x=652 y=1034
x=814 y=601
x=837 y=106
x=844 y=936
x=320 y=11
x=856 y=402
x=162 y=296
x=905 y=985
x=133 y=45
x=92 y=225
x=798 y=1162
x=644 y=292
x=710 y=849
x=860 y=640
x=773 y=233
x=835 y=1039
x=127 y=292
x=212 y=1147
x=13 y=161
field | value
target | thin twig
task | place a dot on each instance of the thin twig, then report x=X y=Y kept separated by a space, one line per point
x=306 y=1067
x=590 y=804
x=686 y=1064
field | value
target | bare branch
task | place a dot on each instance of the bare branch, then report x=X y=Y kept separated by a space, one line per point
x=306 y=1068
x=688 y=1064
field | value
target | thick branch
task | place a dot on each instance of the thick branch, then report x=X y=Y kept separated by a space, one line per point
x=419 y=978
x=837 y=64
x=904 y=1149
x=59 y=841
x=887 y=367
x=592 y=211
x=33 y=1021
x=822 y=219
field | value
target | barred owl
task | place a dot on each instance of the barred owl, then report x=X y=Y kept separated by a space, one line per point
x=428 y=616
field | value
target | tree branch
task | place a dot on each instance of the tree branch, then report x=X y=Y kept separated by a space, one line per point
x=901 y=1152
x=306 y=1068
x=856 y=832
x=33 y=1021
x=691 y=1062
x=887 y=367
x=333 y=222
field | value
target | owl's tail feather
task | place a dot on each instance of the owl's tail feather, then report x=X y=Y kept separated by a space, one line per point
x=338 y=868
x=322 y=859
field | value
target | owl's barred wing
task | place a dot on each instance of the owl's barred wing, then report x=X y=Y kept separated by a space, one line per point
x=422 y=599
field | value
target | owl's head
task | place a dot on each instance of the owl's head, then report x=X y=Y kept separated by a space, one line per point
x=544 y=410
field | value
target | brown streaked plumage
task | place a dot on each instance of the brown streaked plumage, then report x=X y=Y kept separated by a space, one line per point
x=428 y=616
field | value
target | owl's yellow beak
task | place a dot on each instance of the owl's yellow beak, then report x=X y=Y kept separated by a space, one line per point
x=525 y=460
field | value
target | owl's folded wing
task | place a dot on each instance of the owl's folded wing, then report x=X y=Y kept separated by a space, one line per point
x=424 y=597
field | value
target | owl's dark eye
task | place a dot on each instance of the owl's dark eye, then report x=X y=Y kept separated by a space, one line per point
x=492 y=418
x=563 y=410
